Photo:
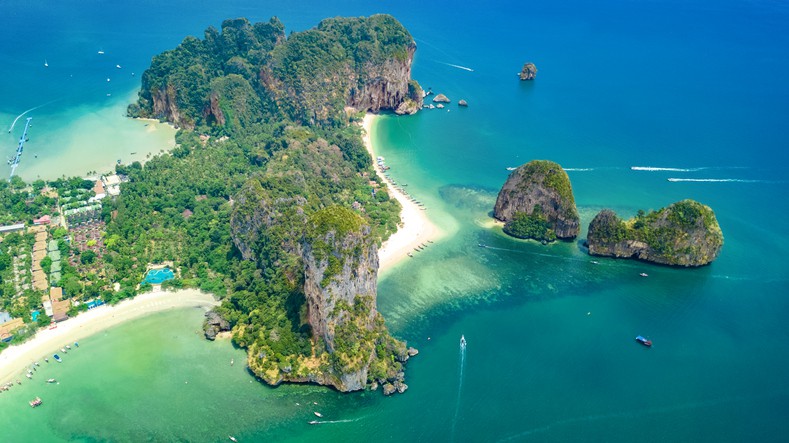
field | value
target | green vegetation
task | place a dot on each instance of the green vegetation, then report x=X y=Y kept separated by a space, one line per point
x=534 y=226
x=684 y=233
x=553 y=177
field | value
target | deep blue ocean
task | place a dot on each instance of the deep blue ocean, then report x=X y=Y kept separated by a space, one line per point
x=693 y=91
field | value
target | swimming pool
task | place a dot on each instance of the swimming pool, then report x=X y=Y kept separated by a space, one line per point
x=157 y=276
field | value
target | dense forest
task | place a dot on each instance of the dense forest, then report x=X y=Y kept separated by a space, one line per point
x=258 y=136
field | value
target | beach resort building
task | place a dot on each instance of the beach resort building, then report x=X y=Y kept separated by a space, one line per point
x=12 y=228
x=112 y=184
x=8 y=325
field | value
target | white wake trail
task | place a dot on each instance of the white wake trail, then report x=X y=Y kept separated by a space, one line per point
x=458 y=66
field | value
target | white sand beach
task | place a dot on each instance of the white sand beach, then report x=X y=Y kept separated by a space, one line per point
x=415 y=227
x=15 y=359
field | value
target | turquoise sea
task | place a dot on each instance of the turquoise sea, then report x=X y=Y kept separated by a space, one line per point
x=689 y=90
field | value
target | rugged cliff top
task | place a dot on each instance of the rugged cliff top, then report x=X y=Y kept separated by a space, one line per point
x=250 y=73
x=685 y=233
x=537 y=202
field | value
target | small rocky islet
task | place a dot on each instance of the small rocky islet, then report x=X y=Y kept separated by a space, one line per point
x=536 y=202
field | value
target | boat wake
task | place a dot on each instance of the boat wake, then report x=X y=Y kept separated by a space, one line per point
x=578 y=169
x=330 y=422
x=458 y=66
x=460 y=382
x=639 y=414
x=717 y=180
x=11 y=128
x=656 y=169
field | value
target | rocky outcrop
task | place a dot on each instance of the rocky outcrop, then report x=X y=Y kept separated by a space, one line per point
x=529 y=71
x=214 y=324
x=463 y=103
x=685 y=233
x=441 y=98
x=537 y=202
x=213 y=113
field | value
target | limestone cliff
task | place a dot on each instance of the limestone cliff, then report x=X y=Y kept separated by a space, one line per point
x=537 y=202
x=250 y=72
x=685 y=233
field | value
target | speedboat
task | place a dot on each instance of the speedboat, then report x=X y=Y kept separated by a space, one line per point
x=314 y=422
x=51 y=380
x=644 y=274
x=35 y=402
x=463 y=341
x=318 y=414
x=644 y=341
x=57 y=358
x=232 y=438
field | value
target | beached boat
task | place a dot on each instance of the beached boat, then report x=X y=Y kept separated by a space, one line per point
x=318 y=414
x=409 y=254
x=35 y=402
x=644 y=341
x=29 y=375
x=57 y=358
x=68 y=347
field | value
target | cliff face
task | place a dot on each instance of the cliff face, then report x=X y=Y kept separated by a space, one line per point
x=539 y=190
x=340 y=278
x=685 y=233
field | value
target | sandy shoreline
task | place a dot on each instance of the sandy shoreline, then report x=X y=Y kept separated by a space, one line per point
x=15 y=359
x=415 y=228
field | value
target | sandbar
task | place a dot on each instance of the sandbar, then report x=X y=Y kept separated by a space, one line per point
x=414 y=229
x=46 y=342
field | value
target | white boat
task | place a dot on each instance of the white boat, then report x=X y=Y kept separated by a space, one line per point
x=463 y=341
x=511 y=168
x=101 y=52
x=118 y=66
x=232 y=438
x=314 y=422
x=644 y=274
x=318 y=414
x=29 y=376
x=46 y=65
x=51 y=380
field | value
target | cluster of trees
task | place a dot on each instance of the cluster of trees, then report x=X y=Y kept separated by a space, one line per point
x=534 y=226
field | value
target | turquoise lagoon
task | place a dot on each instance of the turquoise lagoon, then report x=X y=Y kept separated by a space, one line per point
x=689 y=91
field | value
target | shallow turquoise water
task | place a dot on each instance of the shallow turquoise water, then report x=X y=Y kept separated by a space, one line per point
x=694 y=87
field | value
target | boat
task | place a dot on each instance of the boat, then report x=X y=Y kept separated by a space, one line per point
x=644 y=341
x=46 y=65
x=314 y=422
x=644 y=274
x=76 y=344
x=35 y=402
x=232 y=438
x=463 y=342
x=28 y=375
x=318 y=414
x=118 y=66
x=63 y=350
x=57 y=358
x=68 y=347
x=51 y=380
x=409 y=254
x=511 y=168
x=101 y=52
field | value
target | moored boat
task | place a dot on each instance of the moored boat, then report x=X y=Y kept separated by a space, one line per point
x=57 y=358
x=644 y=341
x=51 y=380
x=644 y=274
x=35 y=402
x=318 y=414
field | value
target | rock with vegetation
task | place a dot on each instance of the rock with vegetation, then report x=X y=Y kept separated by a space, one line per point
x=248 y=72
x=528 y=72
x=685 y=233
x=441 y=98
x=537 y=202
